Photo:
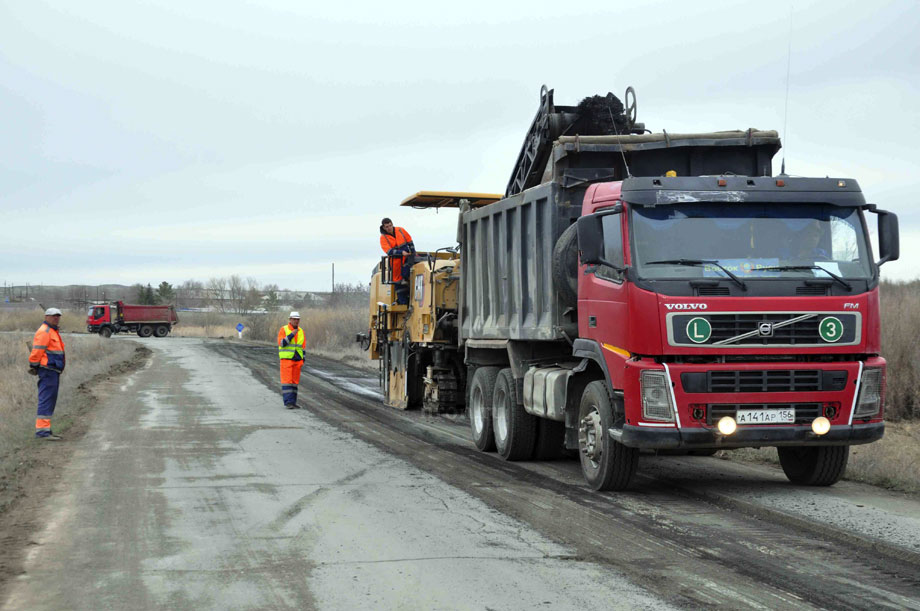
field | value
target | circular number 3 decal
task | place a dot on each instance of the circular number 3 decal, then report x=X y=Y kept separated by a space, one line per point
x=830 y=329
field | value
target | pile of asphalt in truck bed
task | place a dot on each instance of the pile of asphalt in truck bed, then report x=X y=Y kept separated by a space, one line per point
x=599 y=115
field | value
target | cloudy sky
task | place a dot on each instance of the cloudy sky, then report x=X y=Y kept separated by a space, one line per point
x=143 y=141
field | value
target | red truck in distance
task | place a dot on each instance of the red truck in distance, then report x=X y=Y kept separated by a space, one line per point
x=121 y=317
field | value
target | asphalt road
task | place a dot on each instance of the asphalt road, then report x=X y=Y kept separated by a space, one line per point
x=195 y=489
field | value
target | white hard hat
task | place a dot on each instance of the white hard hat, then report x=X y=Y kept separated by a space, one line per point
x=294 y=315
x=52 y=312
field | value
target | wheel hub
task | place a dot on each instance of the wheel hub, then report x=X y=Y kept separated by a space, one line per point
x=590 y=436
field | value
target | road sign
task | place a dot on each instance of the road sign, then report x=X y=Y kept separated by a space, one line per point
x=239 y=327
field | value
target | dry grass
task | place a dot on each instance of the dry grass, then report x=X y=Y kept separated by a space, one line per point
x=893 y=462
x=86 y=357
x=900 y=314
x=329 y=332
x=28 y=320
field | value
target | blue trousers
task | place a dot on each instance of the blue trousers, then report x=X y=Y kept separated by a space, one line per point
x=48 y=384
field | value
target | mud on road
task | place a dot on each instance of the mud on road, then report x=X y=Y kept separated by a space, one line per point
x=696 y=532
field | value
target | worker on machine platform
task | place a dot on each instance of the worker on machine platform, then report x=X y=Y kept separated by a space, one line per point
x=397 y=244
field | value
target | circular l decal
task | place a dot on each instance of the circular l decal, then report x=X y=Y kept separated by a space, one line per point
x=830 y=329
x=699 y=330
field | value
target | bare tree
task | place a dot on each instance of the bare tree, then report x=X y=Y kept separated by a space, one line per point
x=217 y=288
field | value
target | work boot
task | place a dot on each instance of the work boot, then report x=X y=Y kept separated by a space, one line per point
x=291 y=406
x=51 y=437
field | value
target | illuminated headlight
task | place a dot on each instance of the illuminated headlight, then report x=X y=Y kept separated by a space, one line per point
x=869 y=402
x=820 y=425
x=656 y=396
x=727 y=425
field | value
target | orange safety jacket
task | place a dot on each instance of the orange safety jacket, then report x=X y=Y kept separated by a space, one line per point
x=388 y=242
x=47 y=348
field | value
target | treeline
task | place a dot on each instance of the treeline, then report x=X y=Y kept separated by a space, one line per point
x=236 y=295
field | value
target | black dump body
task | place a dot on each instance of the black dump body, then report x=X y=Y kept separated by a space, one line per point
x=509 y=290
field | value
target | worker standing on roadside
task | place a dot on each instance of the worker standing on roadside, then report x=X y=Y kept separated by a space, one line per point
x=291 y=342
x=397 y=244
x=47 y=362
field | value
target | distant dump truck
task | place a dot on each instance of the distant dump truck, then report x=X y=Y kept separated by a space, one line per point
x=637 y=291
x=121 y=317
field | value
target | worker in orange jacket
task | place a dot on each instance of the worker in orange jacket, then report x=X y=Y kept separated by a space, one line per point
x=397 y=244
x=47 y=362
x=291 y=343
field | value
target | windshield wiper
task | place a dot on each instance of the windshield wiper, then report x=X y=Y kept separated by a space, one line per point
x=698 y=262
x=789 y=268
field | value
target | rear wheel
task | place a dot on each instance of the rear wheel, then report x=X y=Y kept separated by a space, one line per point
x=605 y=463
x=161 y=331
x=814 y=466
x=105 y=331
x=515 y=429
x=479 y=408
x=145 y=331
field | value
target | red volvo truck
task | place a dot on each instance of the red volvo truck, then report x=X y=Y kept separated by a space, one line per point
x=637 y=291
x=121 y=317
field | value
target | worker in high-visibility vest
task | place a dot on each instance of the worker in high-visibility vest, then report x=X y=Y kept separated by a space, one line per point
x=291 y=342
x=397 y=244
x=47 y=362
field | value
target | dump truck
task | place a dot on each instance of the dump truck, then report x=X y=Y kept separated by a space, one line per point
x=635 y=291
x=120 y=317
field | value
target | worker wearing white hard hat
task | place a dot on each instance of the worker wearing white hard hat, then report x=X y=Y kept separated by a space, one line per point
x=291 y=344
x=46 y=360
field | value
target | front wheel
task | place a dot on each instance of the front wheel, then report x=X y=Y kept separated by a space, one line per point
x=605 y=463
x=105 y=332
x=814 y=466
x=145 y=331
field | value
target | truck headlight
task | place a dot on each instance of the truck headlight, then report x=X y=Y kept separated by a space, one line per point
x=869 y=401
x=656 y=396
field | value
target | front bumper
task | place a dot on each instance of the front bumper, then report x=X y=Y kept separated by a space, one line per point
x=745 y=437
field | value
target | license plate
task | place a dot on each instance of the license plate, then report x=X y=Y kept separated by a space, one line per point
x=765 y=416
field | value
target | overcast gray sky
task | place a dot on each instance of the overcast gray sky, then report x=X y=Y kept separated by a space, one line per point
x=149 y=141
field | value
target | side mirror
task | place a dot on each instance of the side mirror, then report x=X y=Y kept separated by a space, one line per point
x=590 y=239
x=889 y=246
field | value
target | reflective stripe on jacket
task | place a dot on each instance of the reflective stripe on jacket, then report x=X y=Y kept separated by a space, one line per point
x=47 y=348
x=400 y=236
x=293 y=348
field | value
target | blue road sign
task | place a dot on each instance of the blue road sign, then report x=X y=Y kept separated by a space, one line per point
x=239 y=327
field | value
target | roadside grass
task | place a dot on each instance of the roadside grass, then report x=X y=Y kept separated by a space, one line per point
x=893 y=462
x=899 y=304
x=87 y=356
x=28 y=320
x=330 y=332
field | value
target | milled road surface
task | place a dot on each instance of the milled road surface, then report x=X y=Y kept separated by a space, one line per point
x=195 y=489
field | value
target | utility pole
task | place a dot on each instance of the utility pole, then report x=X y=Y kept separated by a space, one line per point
x=333 y=278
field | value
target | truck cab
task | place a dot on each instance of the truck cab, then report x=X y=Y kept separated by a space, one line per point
x=730 y=311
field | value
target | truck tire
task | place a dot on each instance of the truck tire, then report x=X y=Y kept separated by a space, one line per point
x=550 y=441
x=105 y=332
x=515 y=429
x=479 y=407
x=161 y=331
x=145 y=331
x=565 y=266
x=814 y=466
x=605 y=463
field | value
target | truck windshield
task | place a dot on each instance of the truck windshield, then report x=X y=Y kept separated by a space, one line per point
x=750 y=240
